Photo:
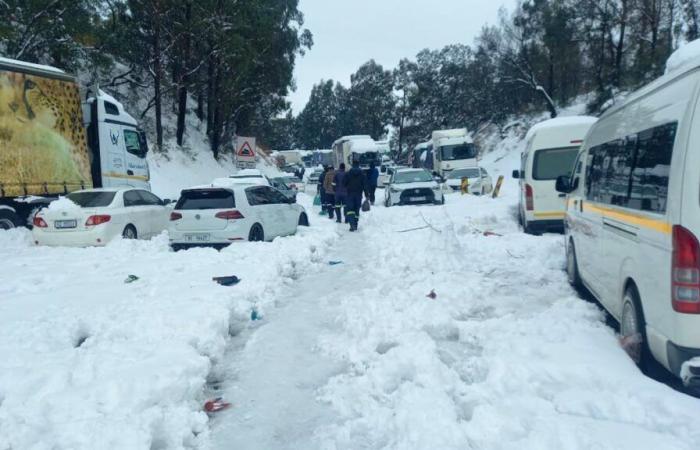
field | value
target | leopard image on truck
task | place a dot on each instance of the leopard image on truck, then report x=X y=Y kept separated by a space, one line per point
x=52 y=142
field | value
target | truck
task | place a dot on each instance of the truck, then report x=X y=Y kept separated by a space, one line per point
x=359 y=148
x=52 y=142
x=422 y=157
x=453 y=149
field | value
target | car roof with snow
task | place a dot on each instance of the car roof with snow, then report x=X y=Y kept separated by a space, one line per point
x=247 y=173
x=106 y=189
x=410 y=169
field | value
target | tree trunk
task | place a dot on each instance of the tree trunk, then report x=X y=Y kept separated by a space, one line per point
x=184 y=77
x=157 y=75
x=620 y=48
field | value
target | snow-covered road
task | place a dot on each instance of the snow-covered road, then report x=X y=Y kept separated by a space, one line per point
x=347 y=356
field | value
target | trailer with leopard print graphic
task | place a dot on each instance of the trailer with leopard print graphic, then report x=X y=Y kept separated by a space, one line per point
x=53 y=140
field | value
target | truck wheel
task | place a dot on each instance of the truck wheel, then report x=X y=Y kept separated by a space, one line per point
x=633 y=336
x=9 y=219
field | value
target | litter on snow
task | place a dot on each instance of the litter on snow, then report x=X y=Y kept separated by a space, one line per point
x=131 y=279
x=216 y=405
x=227 y=281
x=432 y=295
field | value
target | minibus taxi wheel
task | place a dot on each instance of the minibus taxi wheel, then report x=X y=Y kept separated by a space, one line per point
x=633 y=336
x=572 y=265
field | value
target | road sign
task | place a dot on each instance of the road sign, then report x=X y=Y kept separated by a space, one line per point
x=245 y=151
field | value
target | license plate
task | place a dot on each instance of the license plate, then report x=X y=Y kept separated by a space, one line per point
x=198 y=237
x=63 y=224
x=418 y=199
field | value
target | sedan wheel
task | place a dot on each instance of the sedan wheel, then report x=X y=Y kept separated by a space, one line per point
x=303 y=220
x=129 y=232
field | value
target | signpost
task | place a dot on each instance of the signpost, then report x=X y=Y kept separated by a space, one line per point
x=245 y=152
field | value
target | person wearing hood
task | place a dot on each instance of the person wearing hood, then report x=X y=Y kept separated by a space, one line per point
x=329 y=189
x=341 y=193
x=372 y=181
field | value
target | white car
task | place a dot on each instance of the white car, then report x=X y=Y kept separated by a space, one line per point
x=97 y=216
x=479 y=181
x=218 y=216
x=412 y=186
x=246 y=176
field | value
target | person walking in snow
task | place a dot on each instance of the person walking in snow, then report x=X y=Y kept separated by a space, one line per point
x=355 y=182
x=372 y=181
x=329 y=188
x=321 y=190
x=341 y=193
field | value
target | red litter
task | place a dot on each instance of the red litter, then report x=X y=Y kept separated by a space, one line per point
x=216 y=405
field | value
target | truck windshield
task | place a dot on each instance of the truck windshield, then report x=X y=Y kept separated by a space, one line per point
x=414 y=176
x=460 y=151
x=206 y=199
x=366 y=159
x=95 y=199
x=554 y=162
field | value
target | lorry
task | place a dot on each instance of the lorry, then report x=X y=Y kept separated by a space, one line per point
x=422 y=156
x=52 y=142
x=356 y=148
x=453 y=149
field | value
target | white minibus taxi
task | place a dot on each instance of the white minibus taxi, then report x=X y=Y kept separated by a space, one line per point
x=550 y=150
x=633 y=221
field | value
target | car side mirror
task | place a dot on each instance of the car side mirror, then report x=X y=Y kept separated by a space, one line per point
x=166 y=201
x=563 y=184
x=292 y=200
x=516 y=174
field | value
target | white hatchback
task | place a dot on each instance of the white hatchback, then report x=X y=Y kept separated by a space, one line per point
x=479 y=181
x=218 y=216
x=97 y=216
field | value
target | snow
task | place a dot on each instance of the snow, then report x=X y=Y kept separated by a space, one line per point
x=346 y=356
x=560 y=122
x=30 y=65
x=685 y=57
x=63 y=204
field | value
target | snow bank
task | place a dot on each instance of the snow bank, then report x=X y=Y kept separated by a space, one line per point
x=91 y=362
x=685 y=56
x=63 y=204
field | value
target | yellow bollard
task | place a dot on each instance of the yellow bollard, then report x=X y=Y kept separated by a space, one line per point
x=498 y=186
x=465 y=185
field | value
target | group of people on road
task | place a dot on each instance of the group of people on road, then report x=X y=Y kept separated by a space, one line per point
x=342 y=190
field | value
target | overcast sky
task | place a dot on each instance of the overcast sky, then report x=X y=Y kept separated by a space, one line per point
x=348 y=33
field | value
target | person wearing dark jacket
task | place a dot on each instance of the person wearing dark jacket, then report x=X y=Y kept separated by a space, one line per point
x=372 y=181
x=356 y=184
x=321 y=191
x=341 y=193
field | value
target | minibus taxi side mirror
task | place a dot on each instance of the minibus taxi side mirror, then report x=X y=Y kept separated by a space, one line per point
x=563 y=184
x=516 y=174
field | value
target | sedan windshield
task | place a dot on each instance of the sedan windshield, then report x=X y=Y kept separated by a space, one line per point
x=456 y=152
x=417 y=176
x=463 y=173
x=95 y=199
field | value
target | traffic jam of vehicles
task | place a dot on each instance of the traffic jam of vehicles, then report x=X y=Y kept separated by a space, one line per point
x=622 y=188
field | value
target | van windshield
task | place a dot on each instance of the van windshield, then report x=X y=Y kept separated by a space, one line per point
x=552 y=163
x=206 y=199
x=456 y=152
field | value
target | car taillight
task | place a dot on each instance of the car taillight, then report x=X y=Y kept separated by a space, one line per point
x=529 y=200
x=229 y=215
x=175 y=216
x=685 y=272
x=39 y=222
x=97 y=220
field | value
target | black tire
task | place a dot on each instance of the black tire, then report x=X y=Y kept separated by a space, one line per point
x=633 y=335
x=256 y=234
x=572 y=272
x=303 y=220
x=9 y=219
x=130 y=232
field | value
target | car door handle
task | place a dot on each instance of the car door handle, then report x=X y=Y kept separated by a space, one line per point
x=129 y=172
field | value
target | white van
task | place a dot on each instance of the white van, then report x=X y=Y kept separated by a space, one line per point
x=550 y=150
x=633 y=221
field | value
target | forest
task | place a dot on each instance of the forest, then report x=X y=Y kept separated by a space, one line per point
x=231 y=63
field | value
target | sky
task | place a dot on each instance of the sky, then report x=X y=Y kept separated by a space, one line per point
x=348 y=33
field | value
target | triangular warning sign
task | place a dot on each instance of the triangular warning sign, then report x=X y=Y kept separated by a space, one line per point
x=245 y=150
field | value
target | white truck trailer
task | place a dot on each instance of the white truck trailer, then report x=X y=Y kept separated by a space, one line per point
x=356 y=148
x=52 y=142
x=453 y=149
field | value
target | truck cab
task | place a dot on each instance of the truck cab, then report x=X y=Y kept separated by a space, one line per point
x=453 y=149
